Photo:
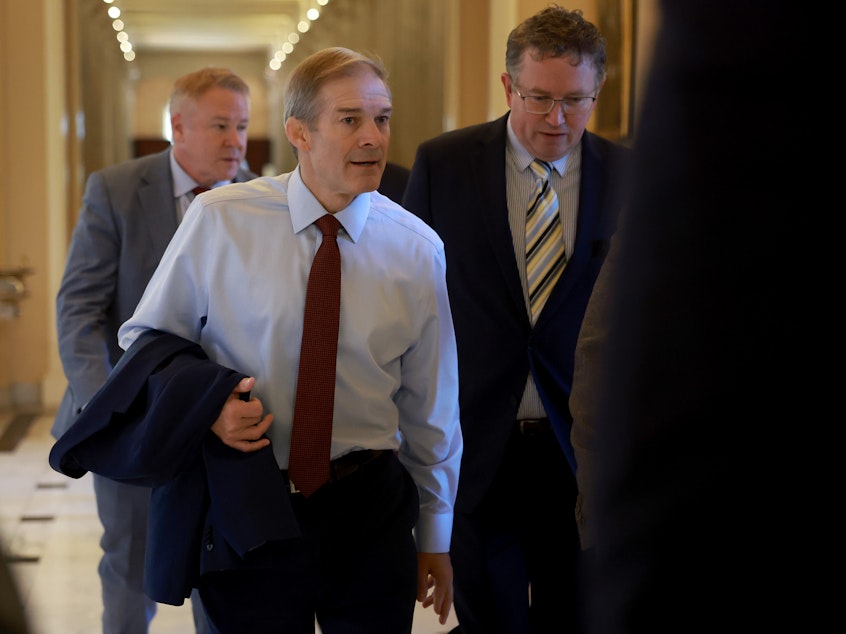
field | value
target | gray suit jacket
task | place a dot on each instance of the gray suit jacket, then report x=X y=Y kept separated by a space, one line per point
x=127 y=219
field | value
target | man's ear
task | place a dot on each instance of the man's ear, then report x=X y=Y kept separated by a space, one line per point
x=506 y=84
x=297 y=133
x=176 y=126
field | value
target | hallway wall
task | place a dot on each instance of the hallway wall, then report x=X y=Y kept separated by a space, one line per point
x=33 y=189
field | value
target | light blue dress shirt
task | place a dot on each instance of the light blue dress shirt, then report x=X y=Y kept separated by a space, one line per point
x=233 y=279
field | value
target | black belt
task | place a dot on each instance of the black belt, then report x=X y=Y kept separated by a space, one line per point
x=347 y=464
x=534 y=426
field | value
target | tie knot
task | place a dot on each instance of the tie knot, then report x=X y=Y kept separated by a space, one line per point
x=542 y=169
x=199 y=189
x=328 y=225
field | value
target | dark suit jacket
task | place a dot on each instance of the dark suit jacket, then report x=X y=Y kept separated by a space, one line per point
x=394 y=180
x=127 y=219
x=497 y=346
x=148 y=425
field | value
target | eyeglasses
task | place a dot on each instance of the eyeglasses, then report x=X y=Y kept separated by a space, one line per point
x=543 y=105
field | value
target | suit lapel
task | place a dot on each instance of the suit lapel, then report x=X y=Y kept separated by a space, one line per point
x=158 y=206
x=155 y=196
x=492 y=208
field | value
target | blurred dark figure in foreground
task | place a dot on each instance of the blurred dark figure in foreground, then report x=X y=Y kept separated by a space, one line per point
x=703 y=363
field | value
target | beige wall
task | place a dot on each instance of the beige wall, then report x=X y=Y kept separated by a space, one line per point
x=33 y=178
x=69 y=106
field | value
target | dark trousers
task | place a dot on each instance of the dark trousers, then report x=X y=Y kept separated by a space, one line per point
x=355 y=568
x=515 y=559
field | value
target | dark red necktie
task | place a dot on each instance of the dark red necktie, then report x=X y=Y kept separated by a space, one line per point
x=199 y=189
x=311 y=436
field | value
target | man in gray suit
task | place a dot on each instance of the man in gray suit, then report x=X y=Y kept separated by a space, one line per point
x=129 y=213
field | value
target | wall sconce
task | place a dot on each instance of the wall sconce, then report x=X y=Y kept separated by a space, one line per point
x=12 y=291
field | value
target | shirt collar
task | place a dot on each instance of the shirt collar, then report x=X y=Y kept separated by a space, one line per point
x=182 y=183
x=522 y=157
x=305 y=208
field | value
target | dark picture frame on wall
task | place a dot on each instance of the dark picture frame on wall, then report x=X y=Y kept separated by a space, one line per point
x=615 y=112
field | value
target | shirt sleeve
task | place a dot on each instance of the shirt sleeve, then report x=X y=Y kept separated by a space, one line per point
x=431 y=443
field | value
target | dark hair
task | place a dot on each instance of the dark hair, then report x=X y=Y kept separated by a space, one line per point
x=194 y=85
x=301 y=95
x=556 y=32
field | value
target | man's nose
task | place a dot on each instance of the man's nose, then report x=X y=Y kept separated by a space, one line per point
x=557 y=113
x=236 y=138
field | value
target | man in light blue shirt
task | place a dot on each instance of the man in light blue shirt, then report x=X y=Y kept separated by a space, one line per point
x=233 y=279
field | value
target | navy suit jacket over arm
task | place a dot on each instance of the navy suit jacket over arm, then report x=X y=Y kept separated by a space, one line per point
x=148 y=426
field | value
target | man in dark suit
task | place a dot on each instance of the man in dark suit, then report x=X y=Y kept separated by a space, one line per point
x=474 y=187
x=129 y=213
x=698 y=382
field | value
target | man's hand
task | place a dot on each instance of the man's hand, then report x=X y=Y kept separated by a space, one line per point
x=434 y=570
x=241 y=424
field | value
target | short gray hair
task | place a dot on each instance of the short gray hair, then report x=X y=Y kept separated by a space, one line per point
x=194 y=85
x=310 y=75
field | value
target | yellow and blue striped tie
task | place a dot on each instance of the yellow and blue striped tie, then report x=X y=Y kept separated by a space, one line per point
x=545 y=256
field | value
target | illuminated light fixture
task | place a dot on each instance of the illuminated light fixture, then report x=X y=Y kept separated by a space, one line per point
x=303 y=26
x=119 y=26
